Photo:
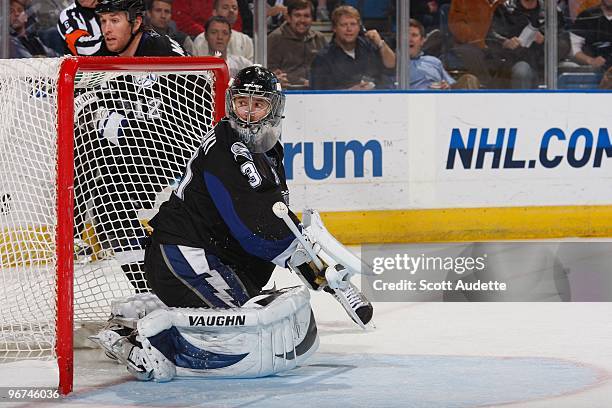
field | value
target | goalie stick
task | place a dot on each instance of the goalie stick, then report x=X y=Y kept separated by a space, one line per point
x=282 y=211
x=320 y=246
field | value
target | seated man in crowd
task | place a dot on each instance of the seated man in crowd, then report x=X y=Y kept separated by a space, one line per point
x=426 y=71
x=218 y=32
x=24 y=43
x=578 y=6
x=352 y=61
x=427 y=12
x=240 y=44
x=159 y=16
x=517 y=35
x=323 y=10
x=276 y=10
x=293 y=46
x=591 y=36
x=191 y=15
x=469 y=22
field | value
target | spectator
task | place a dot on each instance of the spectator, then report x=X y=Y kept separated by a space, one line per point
x=275 y=13
x=350 y=60
x=240 y=44
x=293 y=46
x=469 y=22
x=518 y=39
x=245 y=8
x=427 y=12
x=79 y=26
x=159 y=17
x=591 y=36
x=426 y=71
x=191 y=16
x=277 y=10
x=606 y=81
x=218 y=32
x=375 y=14
x=24 y=43
x=47 y=14
x=578 y=6
x=48 y=11
x=322 y=10
x=246 y=13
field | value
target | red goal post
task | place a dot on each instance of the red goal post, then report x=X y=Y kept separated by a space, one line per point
x=69 y=69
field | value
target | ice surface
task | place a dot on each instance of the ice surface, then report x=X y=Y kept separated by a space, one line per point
x=420 y=354
x=29 y=373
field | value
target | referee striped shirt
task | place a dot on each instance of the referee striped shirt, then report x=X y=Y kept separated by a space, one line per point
x=80 y=29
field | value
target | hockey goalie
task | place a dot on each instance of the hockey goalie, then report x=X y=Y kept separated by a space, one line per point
x=215 y=244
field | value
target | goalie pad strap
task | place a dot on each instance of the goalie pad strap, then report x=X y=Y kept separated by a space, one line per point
x=136 y=306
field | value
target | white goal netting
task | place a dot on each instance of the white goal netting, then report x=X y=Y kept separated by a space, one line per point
x=134 y=133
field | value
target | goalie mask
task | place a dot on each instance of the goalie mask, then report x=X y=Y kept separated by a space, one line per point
x=255 y=104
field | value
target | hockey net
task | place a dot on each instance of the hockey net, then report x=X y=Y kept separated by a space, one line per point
x=114 y=132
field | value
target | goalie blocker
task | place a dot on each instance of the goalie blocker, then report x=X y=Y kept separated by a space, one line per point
x=270 y=334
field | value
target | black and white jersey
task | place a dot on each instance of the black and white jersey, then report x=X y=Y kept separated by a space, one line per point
x=134 y=135
x=80 y=29
x=595 y=28
x=140 y=130
x=224 y=204
x=153 y=44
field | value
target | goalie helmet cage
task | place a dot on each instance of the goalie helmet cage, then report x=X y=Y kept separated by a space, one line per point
x=183 y=79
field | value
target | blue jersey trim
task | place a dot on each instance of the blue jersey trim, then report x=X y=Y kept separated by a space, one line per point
x=249 y=241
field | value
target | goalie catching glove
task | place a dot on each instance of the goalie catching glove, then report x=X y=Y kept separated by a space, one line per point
x=324 y=263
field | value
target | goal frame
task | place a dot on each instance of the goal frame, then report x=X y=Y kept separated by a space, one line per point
x=65 y=174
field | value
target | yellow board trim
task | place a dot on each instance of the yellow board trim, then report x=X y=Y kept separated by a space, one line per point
x=34 y=245
x=469 y=224
x=26 y=246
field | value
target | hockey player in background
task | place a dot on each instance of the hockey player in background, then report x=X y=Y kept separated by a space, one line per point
x=122 y=24
x=215 y=244
x=133 y=137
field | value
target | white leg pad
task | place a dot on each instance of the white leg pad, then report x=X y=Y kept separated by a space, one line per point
x=269 y=334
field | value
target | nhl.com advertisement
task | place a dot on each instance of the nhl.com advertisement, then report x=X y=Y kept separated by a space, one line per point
x=423 y=151
x=459 y=151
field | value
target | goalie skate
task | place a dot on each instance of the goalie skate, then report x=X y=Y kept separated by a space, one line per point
x=125 y=349
x=354 y=302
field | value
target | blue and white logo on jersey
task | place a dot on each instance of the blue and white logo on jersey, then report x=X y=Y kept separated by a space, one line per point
x=239 y=149
x=145 y=80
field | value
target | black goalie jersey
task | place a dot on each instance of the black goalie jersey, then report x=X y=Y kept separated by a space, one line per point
x=224 y=204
